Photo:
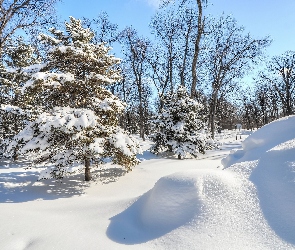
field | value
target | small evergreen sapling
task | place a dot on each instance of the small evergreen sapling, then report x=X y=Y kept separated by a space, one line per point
x=79 y=118
x=180 y=126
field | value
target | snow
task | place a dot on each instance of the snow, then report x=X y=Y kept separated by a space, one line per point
x=12 y=109
x=164 y=203
x=68 y=119
x=126 y=143
x=107 y=103
x=103 y=78
x=97 y=145
x=179 y=127
x=49 y=79
x=271 y=152
x=34 y=68
x=65 y=119
x=63 y=48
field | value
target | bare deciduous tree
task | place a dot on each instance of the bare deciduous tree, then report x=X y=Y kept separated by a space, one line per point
x=136 y=50
x=104 y=30
x=231 y=55
x=166 y=27
x=201 y=26
x=18 y=15
x=281 y=75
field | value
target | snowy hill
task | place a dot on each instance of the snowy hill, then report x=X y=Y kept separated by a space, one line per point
x=164 y=203
x=268 y=161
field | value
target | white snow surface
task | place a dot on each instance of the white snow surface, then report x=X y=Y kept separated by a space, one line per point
x=164 y=203
x=267 y=159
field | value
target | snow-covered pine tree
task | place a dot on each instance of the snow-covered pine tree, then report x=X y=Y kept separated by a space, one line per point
x=180 y=126
x=79 y=122
x=17 y=56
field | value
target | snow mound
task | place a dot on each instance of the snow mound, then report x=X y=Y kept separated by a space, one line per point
x=262 y=140
x=173 y=201
x=208 y=207
x=268 y=161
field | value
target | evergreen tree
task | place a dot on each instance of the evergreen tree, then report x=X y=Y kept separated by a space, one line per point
x=15 y=71
x=180 y=126
x=79 y=119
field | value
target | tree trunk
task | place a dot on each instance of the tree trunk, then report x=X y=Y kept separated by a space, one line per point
x=170 y=66
x=87 y=169
x=197 y=48
x=212 y=125
x=186 y=50
x=212 y=116
x=15 y=154
x=141 y=116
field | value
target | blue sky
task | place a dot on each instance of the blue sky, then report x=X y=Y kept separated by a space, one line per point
x=260 y=17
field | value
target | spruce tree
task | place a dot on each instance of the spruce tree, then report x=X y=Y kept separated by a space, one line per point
x=79 y=119
x=180 y=126
x=15 y=71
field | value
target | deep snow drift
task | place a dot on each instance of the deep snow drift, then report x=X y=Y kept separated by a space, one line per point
x=268 y=161
x=164 y=203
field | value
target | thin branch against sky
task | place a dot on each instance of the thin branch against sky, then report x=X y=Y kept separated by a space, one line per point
x=260 y=18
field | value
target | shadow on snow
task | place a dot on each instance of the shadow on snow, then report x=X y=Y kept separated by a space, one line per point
x=275 y=185
x=20 y=185
x=130 y=228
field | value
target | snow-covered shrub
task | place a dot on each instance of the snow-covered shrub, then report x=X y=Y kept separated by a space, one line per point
x=180 y=126
x=79 y=120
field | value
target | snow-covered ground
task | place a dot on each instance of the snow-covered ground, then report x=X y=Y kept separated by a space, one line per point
x=241 y=196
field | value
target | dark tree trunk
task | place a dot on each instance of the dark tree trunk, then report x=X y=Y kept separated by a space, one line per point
x=170 y=66
x=15 y=157
x=186 y=50
x=15 y=154
x=141 y=115
x=201 y=23
x=87 y=169
x=213 y=114
x=212 y=125
x=16 y=129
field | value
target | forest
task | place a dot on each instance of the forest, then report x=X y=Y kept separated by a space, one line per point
x=66 y=99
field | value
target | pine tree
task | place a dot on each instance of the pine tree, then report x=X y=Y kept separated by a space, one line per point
x=180 y=126
x=15 y=71
x=79 y=119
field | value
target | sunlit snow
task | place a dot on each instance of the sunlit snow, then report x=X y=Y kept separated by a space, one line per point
x=245 y=201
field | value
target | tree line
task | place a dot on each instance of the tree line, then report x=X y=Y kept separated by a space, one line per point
x=191 y=63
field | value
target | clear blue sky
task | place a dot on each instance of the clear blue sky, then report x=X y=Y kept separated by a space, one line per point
x=260 y=17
